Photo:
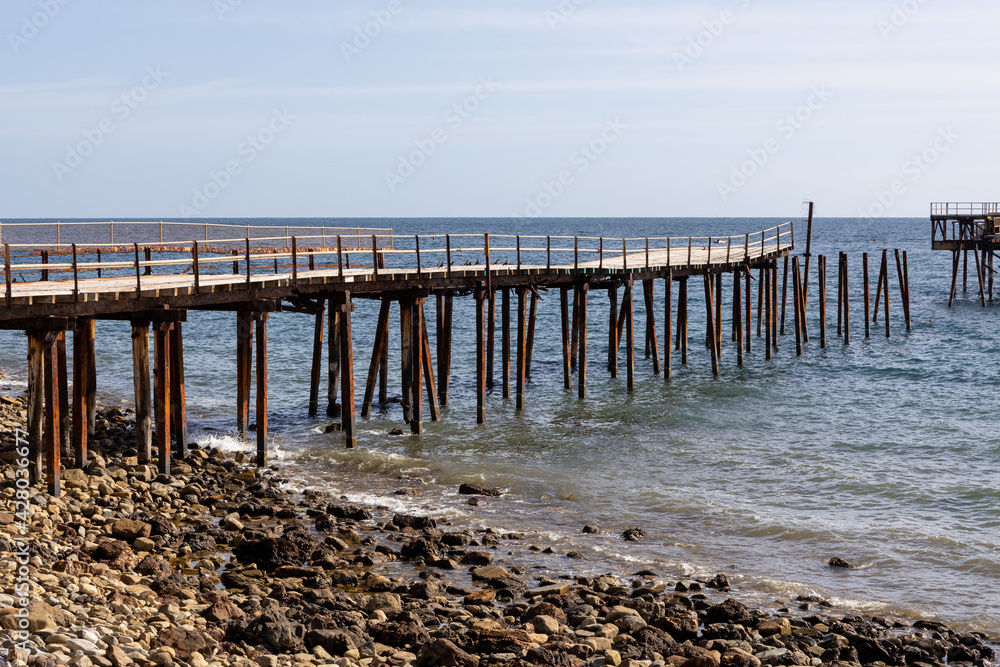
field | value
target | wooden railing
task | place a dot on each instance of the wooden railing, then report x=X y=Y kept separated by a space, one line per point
x=965 y=208
x=376 y=254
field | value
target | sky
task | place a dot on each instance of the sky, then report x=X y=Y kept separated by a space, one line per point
x=198 y=109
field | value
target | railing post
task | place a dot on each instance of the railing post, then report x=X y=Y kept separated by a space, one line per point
x=112 y=225
x=375 y=256
x=600 y=254
x=98 y=261
x=548 y=253
x=746 y=249
x=762 y=244
x=138 y=273
x=340 y=259
x=195 y=267
x=161 y=231
x=690 y=243
x=709 y=260
x=624 y=256
x=489 y=279
x=76 y=278
x=729 y=249
x=416 y=240
x=518 y=252
x=647 y=253
x=791 y=230
x=295 y=262
x=576 y=253
x=248 y=262
x=57 y=234
x=447 y=254
x=668 y=253
x=6 y=270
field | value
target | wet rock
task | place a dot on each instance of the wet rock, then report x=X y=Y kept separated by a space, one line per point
x=404 y=629
x=498 y=577
x=154 y=567
x=351 y=511
x=633 y=534
x=117 y=554
x=841 y=563
x=415 y=522
x=335 y=641
x=502 y=641
x=730 y=611
x=444 y=653
x=274 y=630
x=720 y=583
x=477 y=490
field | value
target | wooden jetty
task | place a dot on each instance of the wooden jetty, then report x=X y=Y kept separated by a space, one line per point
x=107 y=271
x=965 y=227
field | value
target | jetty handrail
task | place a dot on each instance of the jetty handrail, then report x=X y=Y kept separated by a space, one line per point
x=965 y=208
x=293 y=257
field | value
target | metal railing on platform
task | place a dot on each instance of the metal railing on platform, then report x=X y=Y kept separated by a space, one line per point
x=965 y=208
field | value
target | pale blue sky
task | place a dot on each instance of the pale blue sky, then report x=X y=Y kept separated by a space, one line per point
x=331 y=119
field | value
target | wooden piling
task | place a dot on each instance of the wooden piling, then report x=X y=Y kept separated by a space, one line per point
x=682 y=319
x=738 y=317
x=718 y=315
x=630 y=334
x=613 y=331
x=979 y=277
x=505 y=338
x=530 y=346
x=761 y=281
x=36 y=405
x=178 y=393
x=710 y=324
x=406 y=356
x=80 y=369
x=885 y=287
x=575 y=331
x=65 y=421
x=348 y=411
x=765 y=286
x=316 y=370
x=491 y=322
x=444 y=349
x=797 y=309
x=89 y=337
x=381 y=342
x=774 y=304
x=903 y=289
x=668 y=333
x=417 y=350
x=582 y=289
x=565 y=331
x=432 y=396
x=522 y=347
x=52 y=421
x=906 y=283
x=883 y=271
x=847 y=301
x=143 y=399
x=333 y=409
x=653 y=343
x=821 y=268
x=162 y=394
x=481 y=356
x=868 y=328
x=954 y=277
x=244 y=366
x=748 y=280
x=784 y=295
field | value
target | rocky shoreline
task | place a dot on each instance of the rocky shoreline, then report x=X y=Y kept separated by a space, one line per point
x=220 y=565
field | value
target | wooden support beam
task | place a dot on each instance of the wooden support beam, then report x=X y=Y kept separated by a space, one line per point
x=432 y=395
x=769 y=321
x=760 y=298
x=52 y=420
x=348 y=410
x=65 y=421
x=822 y=300
x=381 y=342
x=803 y=320
x=333 y=409
x=748 y=281
x=796 y=295
x=90 y=331
x=613 y=335
x=162 y=394
x=406 y=357
x=521 y=371
x=582 y=289
x=260 y=413
x=885 y=287
x=505 y=341
x=847 y=302
x=652 y=342
x=710 y=324
x=81 y=351
x=481 y=355
x=143 y=397
x=417 y=350
x=630 y=334
x=668 y=332
x=784 y=295
x=718 y=315
x=444 y=349
x=902 y=288
x=682 y=319
x=738 y=317
x=244 y=369
x=774 y=303
x=178 y=394
x=574 y=356
x=882 y=271
x=867 y=297
x=316 y=369
x=906 y=284
x=565 y=332
x=36 y=405
x=491 y=326
x=954 y=277
x=530 y=344
x=840 y=294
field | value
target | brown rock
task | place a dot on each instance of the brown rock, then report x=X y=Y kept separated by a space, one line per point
x=184 y=641
x=117 y=656
x=477 y=490
x=502 y=641
x=129 y=529
x=485 y=596
x=840 y=562
x=443 y=653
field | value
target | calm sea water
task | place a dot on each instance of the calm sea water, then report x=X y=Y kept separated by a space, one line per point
x=883 y=452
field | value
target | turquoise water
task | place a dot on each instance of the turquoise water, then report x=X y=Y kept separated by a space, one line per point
x=883 y=452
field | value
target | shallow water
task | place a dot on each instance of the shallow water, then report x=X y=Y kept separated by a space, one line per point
x=883 y=453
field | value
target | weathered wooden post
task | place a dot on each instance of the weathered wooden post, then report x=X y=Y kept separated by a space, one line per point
x=143 y=400
x=162 y=394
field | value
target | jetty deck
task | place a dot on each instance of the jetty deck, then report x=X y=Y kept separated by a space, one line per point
x=64 y=279
x=964 y=227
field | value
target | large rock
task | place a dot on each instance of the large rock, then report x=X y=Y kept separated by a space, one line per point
x=273 y=630
x=352 y=512
x=730 y=611
x=184 y=641
x=498 y=577
x=443 y=653
x=334 y=641
x=74 y=478
x=415 y=522
x=477 y=490
x=129 y=529
x=117 y=554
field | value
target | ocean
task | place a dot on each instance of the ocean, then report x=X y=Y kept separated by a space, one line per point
x=883 y=452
